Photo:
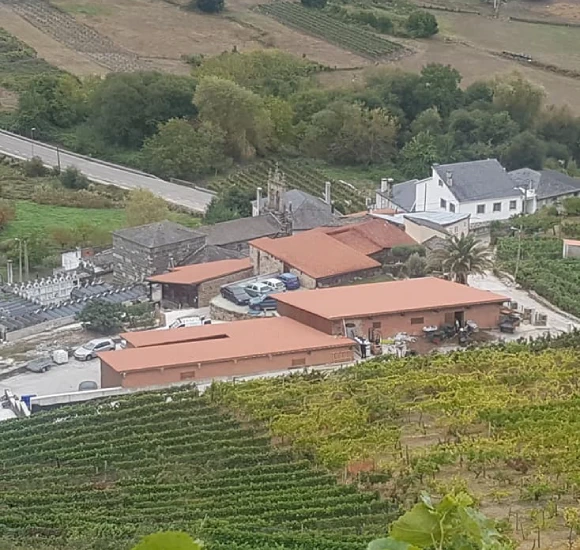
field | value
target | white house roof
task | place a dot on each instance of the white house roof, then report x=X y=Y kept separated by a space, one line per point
x=477 y=180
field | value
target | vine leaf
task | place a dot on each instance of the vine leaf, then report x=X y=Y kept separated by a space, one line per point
x=419 y=527
x=390 y=543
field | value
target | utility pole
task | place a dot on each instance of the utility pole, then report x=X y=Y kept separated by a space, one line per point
x=58 y=158
x=19 y=259
x=26 y=272
x=32 y=130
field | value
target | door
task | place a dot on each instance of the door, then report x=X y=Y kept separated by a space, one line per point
x=459 y=318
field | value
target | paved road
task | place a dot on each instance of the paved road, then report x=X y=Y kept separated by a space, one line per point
x=23 y=148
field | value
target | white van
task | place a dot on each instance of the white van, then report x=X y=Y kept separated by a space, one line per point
x=275 y=284
x=190 y=322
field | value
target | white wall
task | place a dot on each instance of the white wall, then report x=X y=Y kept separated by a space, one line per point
x=432 y=195
x=490 y=215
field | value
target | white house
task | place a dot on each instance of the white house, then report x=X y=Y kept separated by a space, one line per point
x=481 y=188
x=550 y=186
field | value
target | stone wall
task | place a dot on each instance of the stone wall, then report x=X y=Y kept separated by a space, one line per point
x=133 y=262
x=210 y=289
x=348 y=278
x=265 y=264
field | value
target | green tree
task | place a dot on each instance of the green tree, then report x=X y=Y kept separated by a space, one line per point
x=460 y=257
x=452 y=524
x=144 y=207
x=418 y=155
x=397 y=88
x=439 y=87
x=421 y=24
x=72 y=178
x=416 y=266
x=234 y=202
x=571 y=206
x=48 y=102
x=318 y=4
x=209 y=6
x=526 y=150
x=479 y=94
x=184 y=150
x=34 y=168
x=168 y=540
x=519 y=97
x=126 y=108
x=102 y=317
x=428 y=121
x=559 y=124
x=239 y=113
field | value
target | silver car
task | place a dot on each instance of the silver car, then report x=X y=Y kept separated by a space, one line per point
x=89 y=350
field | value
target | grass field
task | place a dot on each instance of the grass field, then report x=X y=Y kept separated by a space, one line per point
x=34 y=218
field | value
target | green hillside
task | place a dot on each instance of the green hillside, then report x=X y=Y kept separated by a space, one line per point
x=100 y=475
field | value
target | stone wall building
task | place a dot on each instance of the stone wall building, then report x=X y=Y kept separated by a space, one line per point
x=140 y=252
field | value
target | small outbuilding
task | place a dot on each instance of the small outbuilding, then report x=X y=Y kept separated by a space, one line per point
x=391 y=307
x=195 y=285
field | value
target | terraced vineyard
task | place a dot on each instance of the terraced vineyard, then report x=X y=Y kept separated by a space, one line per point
x=320 y=25
x=298 y=176
x=104 y=474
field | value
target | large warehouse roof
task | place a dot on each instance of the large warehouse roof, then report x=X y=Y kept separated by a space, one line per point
x=316 y=254
x=345 y=302
x=224 y=342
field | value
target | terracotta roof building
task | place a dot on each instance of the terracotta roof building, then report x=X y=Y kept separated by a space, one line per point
x=374 y=238
x=391 y=307
x=195 y=285
x=226 y=350
x=316 y=258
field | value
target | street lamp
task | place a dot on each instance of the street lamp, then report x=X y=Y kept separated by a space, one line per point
x=32 y=130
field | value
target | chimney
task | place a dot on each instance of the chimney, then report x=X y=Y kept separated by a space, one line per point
x=258 y=201
x=327 y=192
x=449 y=178
x=384 y=184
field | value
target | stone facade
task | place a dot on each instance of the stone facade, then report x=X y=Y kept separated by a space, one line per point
x=134 y=262
x=210 y=289
x=264 y=263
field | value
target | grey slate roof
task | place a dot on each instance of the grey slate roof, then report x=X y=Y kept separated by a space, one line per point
x=242 y=230
x=308 y=211
x=404 y=195
x=212 y=253
x=546 y=183
x=157 y=234
x=478 y=180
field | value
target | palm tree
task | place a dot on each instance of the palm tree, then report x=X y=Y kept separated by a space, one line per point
x=461 y=257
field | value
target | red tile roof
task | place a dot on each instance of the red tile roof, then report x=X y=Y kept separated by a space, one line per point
x=386 y=298
x=223 y=342
x=316 y=254
x=198 y=273
x=370 y=237
x=571 y=242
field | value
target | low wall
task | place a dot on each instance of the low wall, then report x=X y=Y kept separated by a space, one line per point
x=40 y=327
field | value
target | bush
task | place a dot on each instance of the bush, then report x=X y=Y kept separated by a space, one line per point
x=416 y=266
x=72 y=178
x=572 y=206
x=209 y=6
x=34 y=168
x=102 y=317
x=421 y=24
x=7 y=212
x=319 y=4
x=47 y=194
x=402 y=253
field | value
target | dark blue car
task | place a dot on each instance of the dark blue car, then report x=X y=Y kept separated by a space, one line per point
x=290 y=281
x=262 y=303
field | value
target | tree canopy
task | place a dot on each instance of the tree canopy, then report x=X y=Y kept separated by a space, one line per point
x=144 y=207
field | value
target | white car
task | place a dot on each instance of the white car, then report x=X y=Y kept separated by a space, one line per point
x=89 y=350
x=275 y=285
x=257 y=289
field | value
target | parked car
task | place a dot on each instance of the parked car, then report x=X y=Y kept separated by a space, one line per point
x=88 y=385
x=290 y=281
x=195 y=321
x=262 y=303
x=41 y=364
x=257 y=289
x=236 y=294
x=89 y=350
x=275 y=285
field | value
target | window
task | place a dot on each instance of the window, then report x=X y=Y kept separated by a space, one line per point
x=187 y=375
x=440 y=183
x=497 y=206
x=417 y=320
x=376 y=324
x=298 y=362
x=443 y=203
x=513 y=205
x=338 y=356
x=451 y=207
x=481 y=208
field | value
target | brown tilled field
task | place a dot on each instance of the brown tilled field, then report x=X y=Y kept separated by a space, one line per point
x=161 y=33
